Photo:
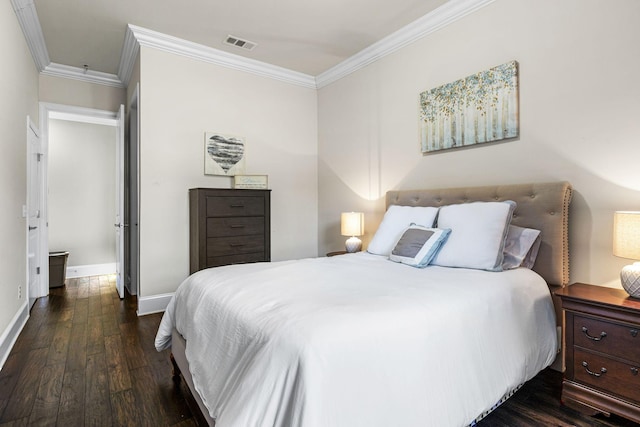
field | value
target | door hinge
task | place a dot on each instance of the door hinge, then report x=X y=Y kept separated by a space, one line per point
x=37 y=270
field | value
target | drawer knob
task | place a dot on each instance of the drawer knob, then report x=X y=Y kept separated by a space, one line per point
x=236 y=245
x=237 y=226
x=595 y=374
x=634 y=332
x=237 y=206
x=634 y=371
x=586 y=332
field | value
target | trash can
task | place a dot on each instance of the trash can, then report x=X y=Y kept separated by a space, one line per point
x=57 y=268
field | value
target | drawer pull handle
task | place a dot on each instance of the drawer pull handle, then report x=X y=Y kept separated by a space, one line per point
x=235 y=245
x=236 y=226
x=634 y=332
x=634 y=371
x=237 y=206
x=595 y=374
x=586 y=332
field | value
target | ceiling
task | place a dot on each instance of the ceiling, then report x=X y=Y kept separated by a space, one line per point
x=307 y=36
x=309 y=44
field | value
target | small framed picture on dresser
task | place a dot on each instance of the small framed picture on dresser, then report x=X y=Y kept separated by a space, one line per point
x=253 y=182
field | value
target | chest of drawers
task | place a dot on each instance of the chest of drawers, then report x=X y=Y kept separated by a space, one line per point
x=602 y=350
x=228 y=226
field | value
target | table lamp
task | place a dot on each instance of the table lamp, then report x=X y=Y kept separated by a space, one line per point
x=626 y=244
x=352 y=224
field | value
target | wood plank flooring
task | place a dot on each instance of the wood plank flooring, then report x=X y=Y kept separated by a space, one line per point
x=85 y=358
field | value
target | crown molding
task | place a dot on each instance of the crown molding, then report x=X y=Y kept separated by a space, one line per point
x=164 y=42
x=446 y=14
x=75 y=73
x=136 y=36
x=28 y=18
x=130 y=49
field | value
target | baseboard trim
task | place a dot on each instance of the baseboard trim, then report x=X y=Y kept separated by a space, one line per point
x=10 y=335
x=90 y=270
x=153 y=304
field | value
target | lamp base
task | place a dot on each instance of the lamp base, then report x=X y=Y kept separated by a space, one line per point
x=353 y=244
x=630 y=278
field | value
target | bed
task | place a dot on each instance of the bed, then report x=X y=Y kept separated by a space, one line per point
x=359 y=340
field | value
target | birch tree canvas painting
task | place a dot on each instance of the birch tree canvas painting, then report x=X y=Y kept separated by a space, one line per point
x=480 y=108
x=223 y=154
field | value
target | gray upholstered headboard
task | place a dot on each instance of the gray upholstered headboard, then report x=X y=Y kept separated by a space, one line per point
x=543 y=206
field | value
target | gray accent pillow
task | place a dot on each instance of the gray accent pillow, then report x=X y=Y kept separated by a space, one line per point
x=418 y=245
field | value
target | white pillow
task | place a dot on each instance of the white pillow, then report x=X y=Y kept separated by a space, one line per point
x=478 y=232
x=521 y=247
x=395 y=221
x=418 y=245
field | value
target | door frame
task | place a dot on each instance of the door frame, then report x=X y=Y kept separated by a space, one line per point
x=120 y=223
x=65 y=112
x=132 y=193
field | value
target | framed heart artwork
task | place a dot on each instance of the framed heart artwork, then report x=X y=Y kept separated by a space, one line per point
x=223 y=154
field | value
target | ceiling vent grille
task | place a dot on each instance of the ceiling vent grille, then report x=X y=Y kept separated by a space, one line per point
x=238 y=42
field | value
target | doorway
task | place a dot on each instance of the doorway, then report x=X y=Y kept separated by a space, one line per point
x=106 y=200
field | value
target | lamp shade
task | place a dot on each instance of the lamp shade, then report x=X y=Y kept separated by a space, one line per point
x=626 y=234
x=352 y=224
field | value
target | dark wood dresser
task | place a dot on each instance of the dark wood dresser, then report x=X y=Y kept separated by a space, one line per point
x=228 y=226
x=603 y=350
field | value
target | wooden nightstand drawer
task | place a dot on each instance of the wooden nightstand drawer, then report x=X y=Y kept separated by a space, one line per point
x=241 y=226
x=603 y=351
x=235 y=206
x=611 y=338
x=609 y=375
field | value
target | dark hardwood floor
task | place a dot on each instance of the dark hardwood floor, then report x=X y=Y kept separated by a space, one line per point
x=537 y=403
x=85 y=358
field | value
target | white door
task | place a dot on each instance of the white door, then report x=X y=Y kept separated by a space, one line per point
x=119 y=224
x=34 y=217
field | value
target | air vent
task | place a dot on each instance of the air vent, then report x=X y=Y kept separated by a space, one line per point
x=238 y=42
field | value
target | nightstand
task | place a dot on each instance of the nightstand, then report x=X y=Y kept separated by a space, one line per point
x=602 y=350
x=336 y=253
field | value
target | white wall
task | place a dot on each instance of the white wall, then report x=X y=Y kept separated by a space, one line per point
x=181 y=99
x=19 y=89
x=579 y=119
x=82 y=191
x=59 y=90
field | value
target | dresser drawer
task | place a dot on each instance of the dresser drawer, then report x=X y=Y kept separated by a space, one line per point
x=241 y=226
x=605 y=337
x=219 y=246
x=618 y=378
x=235 y=259
x=235 y=206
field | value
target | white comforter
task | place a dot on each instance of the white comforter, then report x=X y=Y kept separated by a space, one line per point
x=358 y=340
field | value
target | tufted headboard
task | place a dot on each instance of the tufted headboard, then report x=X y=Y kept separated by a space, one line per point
x=543 y=206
